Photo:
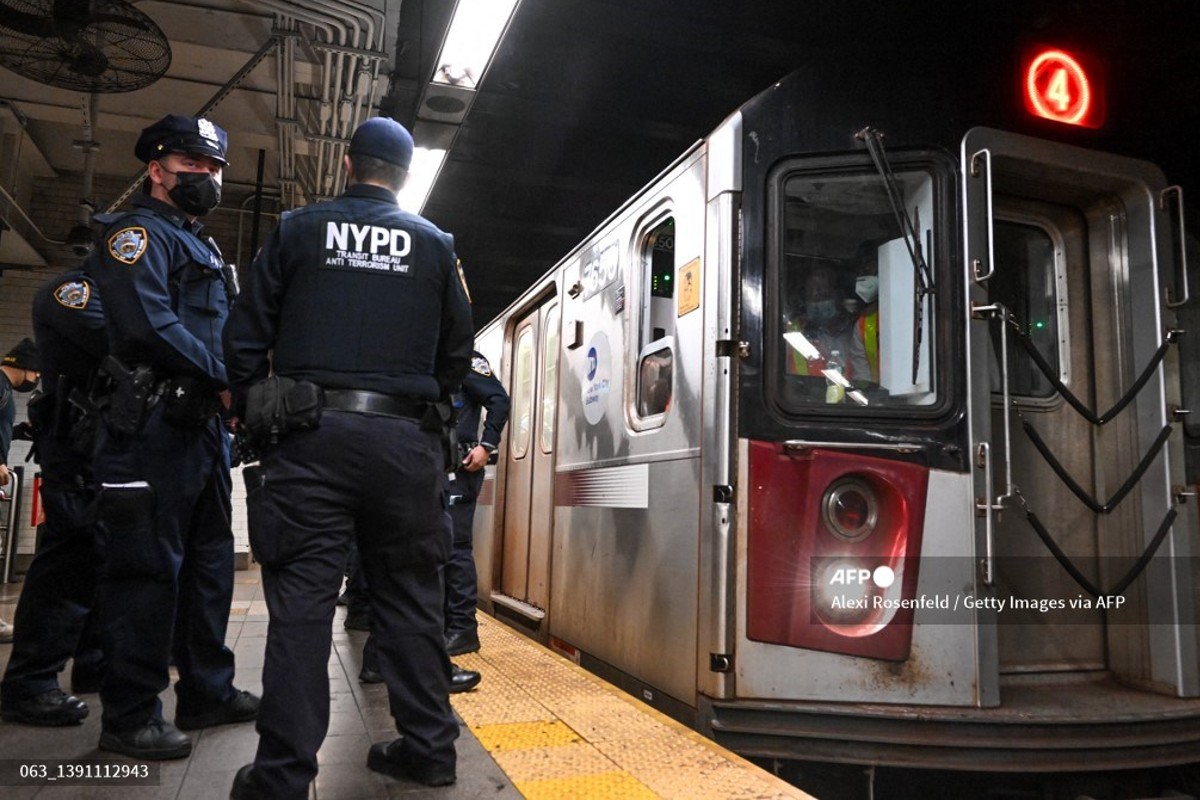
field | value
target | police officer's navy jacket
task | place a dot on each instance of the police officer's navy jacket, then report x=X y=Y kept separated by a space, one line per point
x=68 y=325
x=481 y=390
x=355 y=293
x=164 y=291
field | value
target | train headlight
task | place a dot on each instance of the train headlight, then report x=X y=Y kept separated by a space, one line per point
x=843 y=591
x=851 y=509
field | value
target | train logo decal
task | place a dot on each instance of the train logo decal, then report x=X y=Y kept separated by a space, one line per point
x=596 y=378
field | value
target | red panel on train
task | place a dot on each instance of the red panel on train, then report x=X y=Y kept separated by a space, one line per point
x=834 y=546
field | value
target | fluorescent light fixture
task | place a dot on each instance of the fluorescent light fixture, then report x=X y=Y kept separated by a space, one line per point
x=471 y=41
x=426 y=164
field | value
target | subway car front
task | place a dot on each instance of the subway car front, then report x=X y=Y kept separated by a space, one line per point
x=952 y=527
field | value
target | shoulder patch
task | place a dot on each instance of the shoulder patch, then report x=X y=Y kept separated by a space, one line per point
x=73 y=294
x=462 y=279
x=480 y=364
x=128 y=244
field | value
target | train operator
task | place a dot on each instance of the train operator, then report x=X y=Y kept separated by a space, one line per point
x=354 y=323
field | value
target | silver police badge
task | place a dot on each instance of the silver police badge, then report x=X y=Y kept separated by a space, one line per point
x=128 y=244
x=207 y=130
x=481 y=365
x=73 y=294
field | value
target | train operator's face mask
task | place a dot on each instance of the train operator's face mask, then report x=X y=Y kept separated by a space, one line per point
x=822 y=310
x=867 y=288
x=195 y=193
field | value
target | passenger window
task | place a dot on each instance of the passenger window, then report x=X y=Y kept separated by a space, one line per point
x=522 y=400
x=1026 y=282
x=656 y=337
x=655 y=379
x=549 y=379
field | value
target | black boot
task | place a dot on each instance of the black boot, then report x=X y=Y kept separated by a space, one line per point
x=463 y=680
x=462 y=642
x=155 y=741
x=50 y=709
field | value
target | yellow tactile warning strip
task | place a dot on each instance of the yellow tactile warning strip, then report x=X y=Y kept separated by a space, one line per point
x=560 y=732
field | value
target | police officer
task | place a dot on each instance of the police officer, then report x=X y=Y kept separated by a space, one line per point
x=162 y=454
x=19 y=372
x=54 y=618
x=373 y=467
x=480 y=390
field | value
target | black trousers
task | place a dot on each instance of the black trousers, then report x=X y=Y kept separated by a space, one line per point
x=168 y=577
x=55 y=617
x=378 y=479
x=462 y=584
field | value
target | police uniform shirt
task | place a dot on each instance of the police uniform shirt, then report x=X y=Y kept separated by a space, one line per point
x=481 y=389
x=68 y=325
x=164 y=291
x=354 y=293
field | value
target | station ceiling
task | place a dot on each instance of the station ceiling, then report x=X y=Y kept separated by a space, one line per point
x=584 y=103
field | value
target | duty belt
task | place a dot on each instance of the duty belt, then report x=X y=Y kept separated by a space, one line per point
x=359 y=401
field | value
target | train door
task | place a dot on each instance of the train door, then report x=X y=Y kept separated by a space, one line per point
x=1070 y=251
x=524 y=579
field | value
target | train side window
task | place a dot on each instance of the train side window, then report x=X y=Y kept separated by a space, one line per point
x=656 y=338
x=549 y=379
x=655 y=376
x=522 y=399
x=854 y=324
x=1026 y=282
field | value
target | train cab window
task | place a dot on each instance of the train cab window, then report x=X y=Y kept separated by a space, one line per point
x=549 y=380
x=855 y=326
x=656 y=339
x=522 y=398
x=1027 y=281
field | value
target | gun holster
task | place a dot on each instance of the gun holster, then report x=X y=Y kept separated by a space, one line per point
x=442 y=418
x=134 y=392
x=278 y=405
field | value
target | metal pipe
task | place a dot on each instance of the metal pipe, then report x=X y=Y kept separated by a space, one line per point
x=258 y=192
x=87 y=205
x=13 y=202
x=332 y=26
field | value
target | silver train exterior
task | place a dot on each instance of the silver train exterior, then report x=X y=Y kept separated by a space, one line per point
x=679 y=508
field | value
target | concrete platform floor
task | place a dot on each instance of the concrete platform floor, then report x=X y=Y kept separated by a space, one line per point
x=537 y=727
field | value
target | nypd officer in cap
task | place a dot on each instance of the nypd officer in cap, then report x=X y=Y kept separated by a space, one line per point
x=365 y=301
x=162 y=454
x=55 y=617
x=481 y=391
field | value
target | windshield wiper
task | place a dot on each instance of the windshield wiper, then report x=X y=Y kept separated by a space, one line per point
x=910 y=229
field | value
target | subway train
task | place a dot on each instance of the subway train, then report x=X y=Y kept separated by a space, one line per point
x=860 y=434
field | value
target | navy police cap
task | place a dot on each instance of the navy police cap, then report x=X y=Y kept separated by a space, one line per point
x=385 y=139
x=175 y=134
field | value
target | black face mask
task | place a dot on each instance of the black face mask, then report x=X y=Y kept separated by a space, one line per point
x=196 y=193
x=25 y=386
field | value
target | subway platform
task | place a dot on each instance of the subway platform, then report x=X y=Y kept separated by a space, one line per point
x=537 y=727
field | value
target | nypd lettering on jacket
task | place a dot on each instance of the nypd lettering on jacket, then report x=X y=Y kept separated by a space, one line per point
x=372 y=247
